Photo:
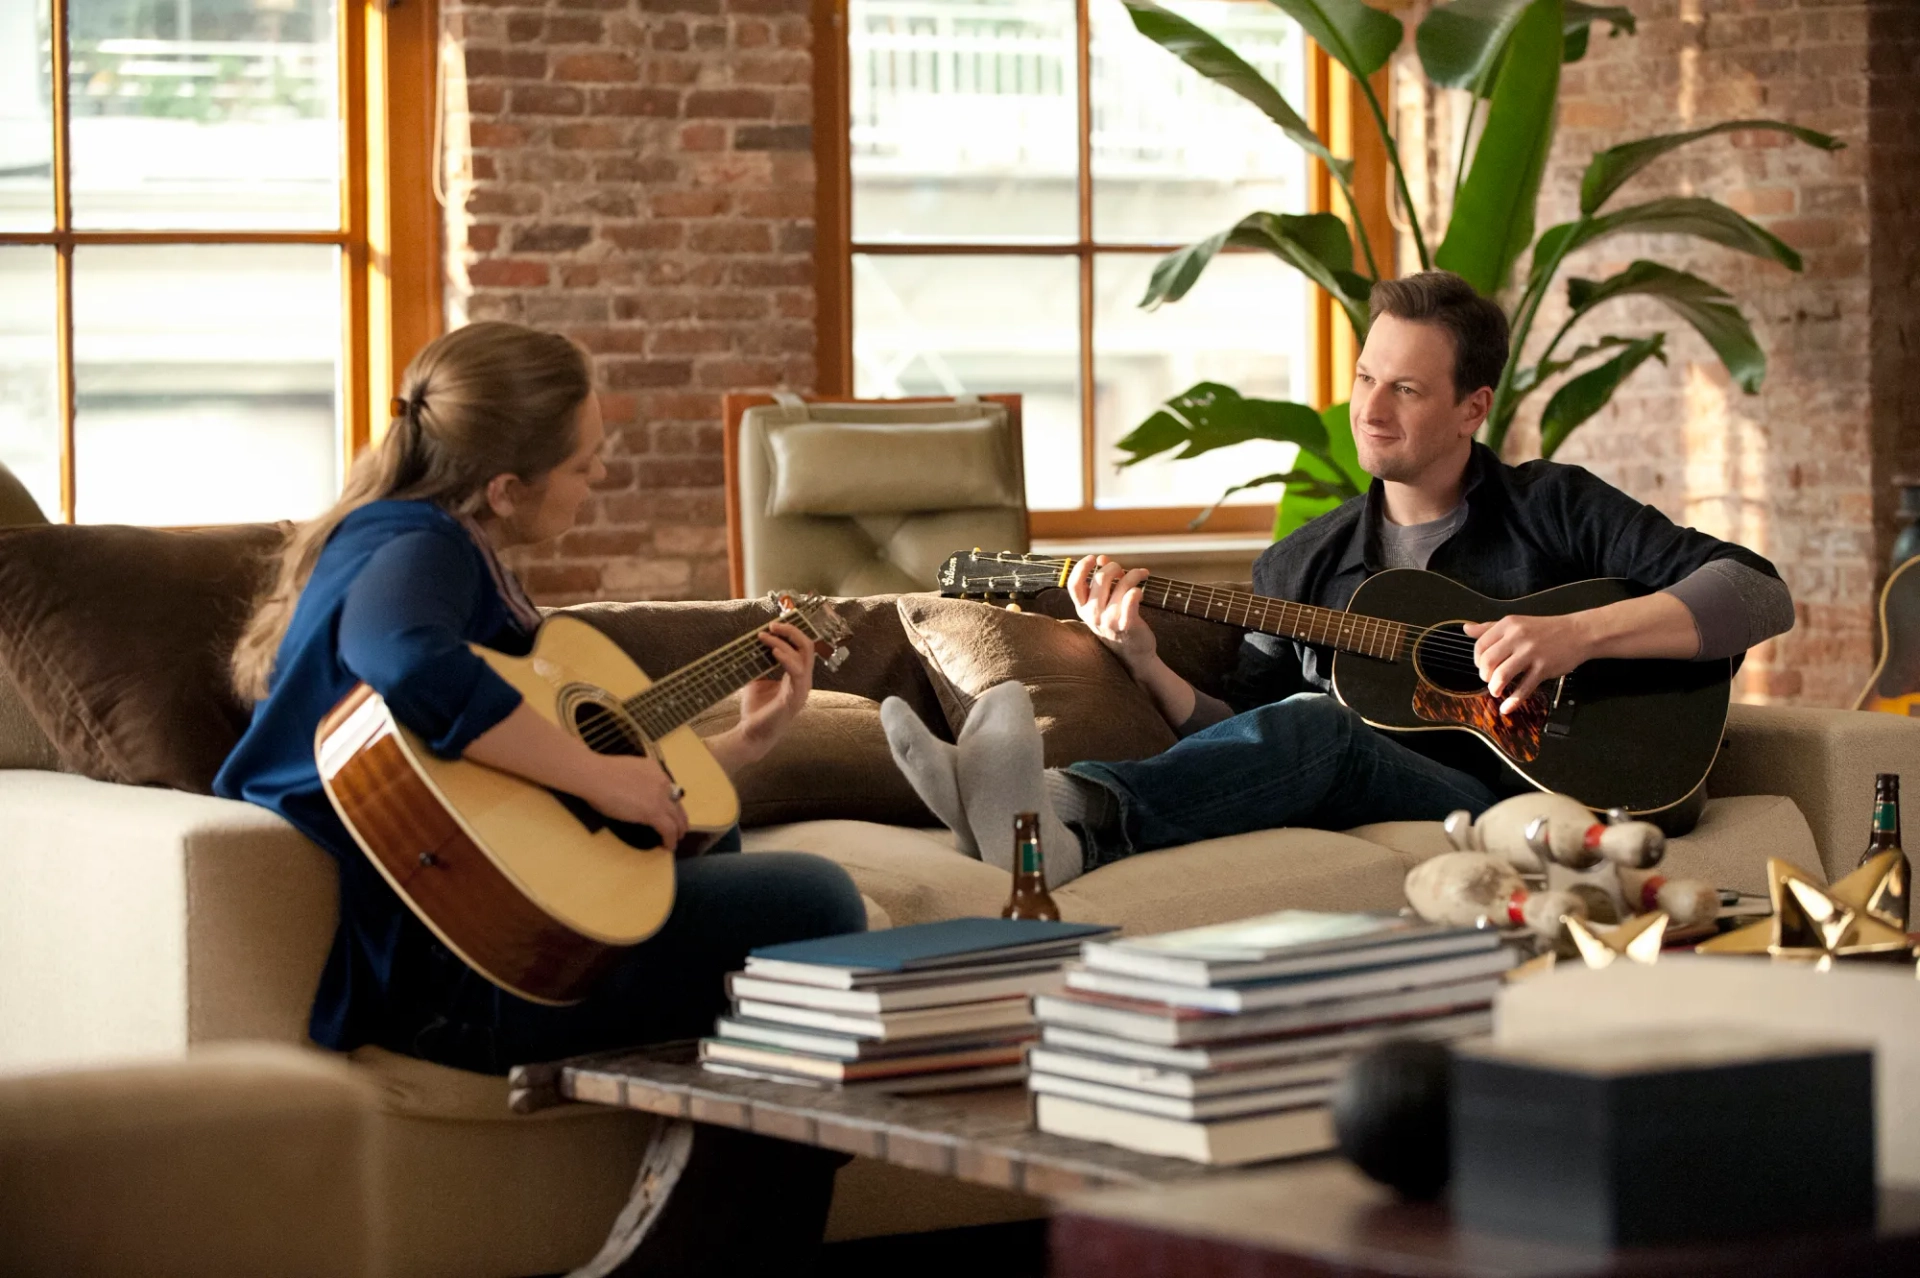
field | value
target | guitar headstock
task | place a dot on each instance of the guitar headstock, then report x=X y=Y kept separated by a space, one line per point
x=815 y=614
x=986 y=574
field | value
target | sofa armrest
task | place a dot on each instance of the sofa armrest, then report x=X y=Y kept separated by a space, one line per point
x=239 y=1159
x=136 y=921
x=1824 y=760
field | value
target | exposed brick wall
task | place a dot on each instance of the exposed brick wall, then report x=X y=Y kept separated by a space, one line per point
x=1792 y=470
x=638 y=174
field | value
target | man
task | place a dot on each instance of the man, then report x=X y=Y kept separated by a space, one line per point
x=1423 y=385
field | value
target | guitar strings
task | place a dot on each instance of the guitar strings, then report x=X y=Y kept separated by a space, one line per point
x=1361 y=631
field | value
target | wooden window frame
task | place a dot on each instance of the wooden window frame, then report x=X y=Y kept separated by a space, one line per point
x=1334 y=107
x=389 y=234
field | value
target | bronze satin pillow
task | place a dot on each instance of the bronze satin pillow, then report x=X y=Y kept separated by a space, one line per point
x=1087 y=704
x=832 y=763
x=118 y=638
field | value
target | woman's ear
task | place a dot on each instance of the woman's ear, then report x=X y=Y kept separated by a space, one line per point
x=503 y=493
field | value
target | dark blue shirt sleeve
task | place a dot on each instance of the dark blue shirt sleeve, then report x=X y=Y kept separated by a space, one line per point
x=401 y=629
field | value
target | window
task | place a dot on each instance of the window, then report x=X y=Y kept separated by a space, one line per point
x=185 y=290
x=1013 y=170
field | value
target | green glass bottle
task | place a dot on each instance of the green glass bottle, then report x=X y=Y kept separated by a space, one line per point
x=1030 y=899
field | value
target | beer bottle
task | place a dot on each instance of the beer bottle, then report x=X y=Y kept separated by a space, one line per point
x=1030 y=899
x=1891 y=898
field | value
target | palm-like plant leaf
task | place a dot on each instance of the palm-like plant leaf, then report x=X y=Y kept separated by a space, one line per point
x=1461 y=44
x=1609 y=170
x=1531 y=378
x=1337 y=474
x=1492 y=221
x=1205 y=53
x=1678 y=215
x=1357 y=36
x=1209 y=416
x=1579 y=25
x=1709 y=309
x=1583 y=396
x=1315 y=244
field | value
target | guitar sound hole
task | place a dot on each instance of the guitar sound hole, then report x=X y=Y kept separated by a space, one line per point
x=603 y=730
x=1444 y=657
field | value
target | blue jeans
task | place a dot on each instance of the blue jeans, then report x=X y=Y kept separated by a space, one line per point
x=670 y=986
x=1306 y=761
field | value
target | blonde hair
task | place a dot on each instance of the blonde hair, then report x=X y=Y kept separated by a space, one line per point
x=484 y=400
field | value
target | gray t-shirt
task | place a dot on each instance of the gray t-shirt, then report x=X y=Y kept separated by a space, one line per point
x=1412 y=545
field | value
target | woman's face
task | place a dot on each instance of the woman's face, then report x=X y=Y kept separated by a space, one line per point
x=547 y=507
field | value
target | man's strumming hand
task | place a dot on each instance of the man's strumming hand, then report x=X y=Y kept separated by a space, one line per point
x=1515 y=655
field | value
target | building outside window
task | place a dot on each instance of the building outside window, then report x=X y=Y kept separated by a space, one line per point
x=173 y=302
x=1017 y=167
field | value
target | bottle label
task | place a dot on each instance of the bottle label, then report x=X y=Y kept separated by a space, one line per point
x=1029 y=859
x=1886 y=818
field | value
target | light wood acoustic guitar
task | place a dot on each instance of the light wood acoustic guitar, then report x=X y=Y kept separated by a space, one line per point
x=1894 y=686
x=1638 y=735
x=532 y=888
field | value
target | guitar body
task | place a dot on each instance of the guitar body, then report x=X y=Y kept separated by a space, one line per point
x=1895 y=685
x=537 y=893
x=1639 y=735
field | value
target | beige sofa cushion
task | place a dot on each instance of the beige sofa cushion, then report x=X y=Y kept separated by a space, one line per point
x=832 y=761
x=1728 y=848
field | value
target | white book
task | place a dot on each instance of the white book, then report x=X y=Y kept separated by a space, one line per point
x=1299 y=991
x=1176 y=1026
x=1180 y=1083
x=1229 y=1142
x=1283 y=934
x=889 y=1026
x=853 y=978
x=1238 y=1053
x=841 y=1047
x=952 y=1081
x=1178 y=970
x=895 y=998
x=1199 y=1109
x=780 y=1061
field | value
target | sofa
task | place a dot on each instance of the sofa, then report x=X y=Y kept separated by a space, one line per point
x=161 y=1109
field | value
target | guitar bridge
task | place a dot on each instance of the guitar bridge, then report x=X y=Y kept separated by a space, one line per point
x=1560 y=717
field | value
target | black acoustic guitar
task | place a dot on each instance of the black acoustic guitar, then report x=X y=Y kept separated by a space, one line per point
x=1635 y=735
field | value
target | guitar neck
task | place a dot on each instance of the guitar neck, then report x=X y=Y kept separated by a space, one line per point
x=706 y=681
x=1330 y=627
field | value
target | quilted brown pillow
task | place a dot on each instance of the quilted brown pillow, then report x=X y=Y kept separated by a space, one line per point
x=832 y=763
x=1087 y=705
x=117 y=640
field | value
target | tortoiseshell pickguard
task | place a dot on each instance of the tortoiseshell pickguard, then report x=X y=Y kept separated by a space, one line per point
x=1517 y=735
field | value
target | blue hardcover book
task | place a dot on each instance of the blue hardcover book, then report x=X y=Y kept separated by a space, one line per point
x=934 y=945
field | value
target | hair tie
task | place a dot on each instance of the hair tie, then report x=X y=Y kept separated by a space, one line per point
x=407 y=408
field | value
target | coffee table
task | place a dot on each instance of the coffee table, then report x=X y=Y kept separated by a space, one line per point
x=1321 y=1217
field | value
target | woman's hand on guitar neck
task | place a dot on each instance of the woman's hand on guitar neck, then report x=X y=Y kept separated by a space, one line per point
x=768 y=705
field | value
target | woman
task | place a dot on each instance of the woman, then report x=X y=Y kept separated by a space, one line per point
x=495 y=443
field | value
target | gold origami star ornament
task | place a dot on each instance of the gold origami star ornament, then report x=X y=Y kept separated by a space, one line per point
x=1637 y=940
x=1864 y=915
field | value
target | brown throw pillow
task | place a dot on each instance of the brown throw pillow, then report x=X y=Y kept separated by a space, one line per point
x=117 y=640
x=831 y=763
x=1087 y=705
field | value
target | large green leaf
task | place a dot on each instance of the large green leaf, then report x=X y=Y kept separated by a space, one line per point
x=1610 y=168
x=1205 y=53
x=1357 y=36
x=1679 y=215
x=1315 y=244
x=1531 y=377
x=1209 y=416
x=1461 y=44
x=1709 y=309
x=1337 y=474
x=1492 y=222
x=1583 y=396
x=1579 y=25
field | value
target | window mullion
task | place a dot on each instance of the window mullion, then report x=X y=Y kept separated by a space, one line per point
x=1083 y=69
x=63 y=252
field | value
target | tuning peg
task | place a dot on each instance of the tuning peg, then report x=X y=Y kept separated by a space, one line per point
x=1014 y=607
x=837 y=657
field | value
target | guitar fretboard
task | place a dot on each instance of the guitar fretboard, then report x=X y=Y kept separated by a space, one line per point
x=707 y=681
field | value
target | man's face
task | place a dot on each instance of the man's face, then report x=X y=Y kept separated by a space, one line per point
x=1406 y=420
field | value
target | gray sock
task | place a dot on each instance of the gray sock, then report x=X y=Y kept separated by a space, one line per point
x=931 y=766
x=1001 y=775
x=1080 y=802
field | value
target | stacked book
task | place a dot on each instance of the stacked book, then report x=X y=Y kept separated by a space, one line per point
x=933 y=1007
x=1222 y=1044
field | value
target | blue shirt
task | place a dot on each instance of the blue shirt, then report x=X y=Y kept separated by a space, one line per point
x=392 y=601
